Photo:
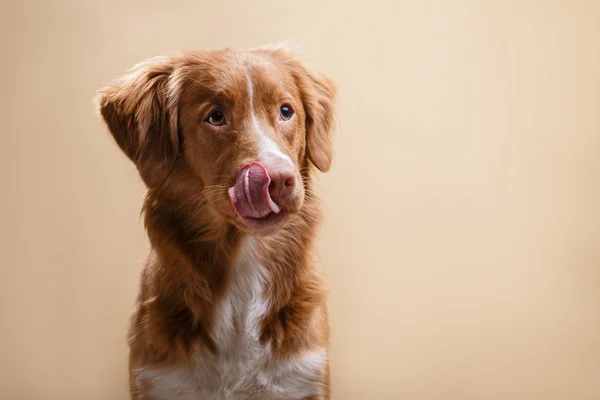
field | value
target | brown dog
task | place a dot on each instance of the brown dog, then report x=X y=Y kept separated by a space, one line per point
x=232 y=304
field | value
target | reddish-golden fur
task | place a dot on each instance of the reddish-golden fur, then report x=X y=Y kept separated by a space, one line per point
x=155 y=114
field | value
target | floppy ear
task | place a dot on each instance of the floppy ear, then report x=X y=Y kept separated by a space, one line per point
x=142 y=117
x=318 y=97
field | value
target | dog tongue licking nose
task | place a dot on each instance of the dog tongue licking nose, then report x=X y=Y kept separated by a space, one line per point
x=250 y=193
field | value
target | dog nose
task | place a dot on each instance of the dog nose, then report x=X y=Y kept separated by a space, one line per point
x=283 y=180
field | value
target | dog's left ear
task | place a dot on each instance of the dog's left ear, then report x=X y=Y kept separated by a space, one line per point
x=319 y=94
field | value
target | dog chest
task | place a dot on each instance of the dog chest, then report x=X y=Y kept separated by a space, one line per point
x=244 y=367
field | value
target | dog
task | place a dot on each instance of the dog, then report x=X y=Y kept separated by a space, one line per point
x=232 y=302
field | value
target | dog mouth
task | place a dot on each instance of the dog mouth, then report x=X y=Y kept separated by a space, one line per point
x=267 y=224
x=252 y=201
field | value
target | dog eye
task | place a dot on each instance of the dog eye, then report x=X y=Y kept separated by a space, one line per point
x=286 y=112
x=216 y=118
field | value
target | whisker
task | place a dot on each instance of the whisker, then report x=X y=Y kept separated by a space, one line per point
x=199 y=210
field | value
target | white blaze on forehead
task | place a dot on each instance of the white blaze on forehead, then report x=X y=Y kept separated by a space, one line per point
x=269 y=150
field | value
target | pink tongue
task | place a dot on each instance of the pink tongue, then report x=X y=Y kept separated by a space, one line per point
x=250 y=193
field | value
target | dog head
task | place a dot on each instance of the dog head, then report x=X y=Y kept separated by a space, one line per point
x=238 y=128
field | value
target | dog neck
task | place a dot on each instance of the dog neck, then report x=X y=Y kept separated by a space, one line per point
x=191 y=264
x=200 y=247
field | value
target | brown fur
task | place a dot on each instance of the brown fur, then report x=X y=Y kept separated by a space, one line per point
x=155 y=114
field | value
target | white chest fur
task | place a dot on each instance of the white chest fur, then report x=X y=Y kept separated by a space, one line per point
x=244 y=368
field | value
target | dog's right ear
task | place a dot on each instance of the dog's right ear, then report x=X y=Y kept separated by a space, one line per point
x=141 y=113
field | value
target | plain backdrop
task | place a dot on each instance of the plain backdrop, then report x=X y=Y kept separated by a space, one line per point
x=462 y=233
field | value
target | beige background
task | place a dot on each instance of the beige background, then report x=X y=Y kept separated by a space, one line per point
x=462 y=239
